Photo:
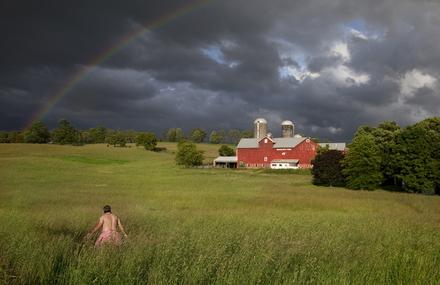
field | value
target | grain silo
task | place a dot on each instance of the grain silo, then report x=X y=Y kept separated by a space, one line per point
x=287 y=129
x=260 y=127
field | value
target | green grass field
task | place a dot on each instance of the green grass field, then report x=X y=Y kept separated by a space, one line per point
x=202 y=226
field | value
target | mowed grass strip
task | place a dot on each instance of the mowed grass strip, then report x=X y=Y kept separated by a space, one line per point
x=202 y=226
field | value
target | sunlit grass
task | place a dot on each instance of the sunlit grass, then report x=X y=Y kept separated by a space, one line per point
x=202 y=226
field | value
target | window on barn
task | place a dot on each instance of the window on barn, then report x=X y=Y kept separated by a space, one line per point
x=265 y=159
x=264 y=164
x=256 y=164
x=249 y=165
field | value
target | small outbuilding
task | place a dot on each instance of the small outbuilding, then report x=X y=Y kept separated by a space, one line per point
x=226 y=161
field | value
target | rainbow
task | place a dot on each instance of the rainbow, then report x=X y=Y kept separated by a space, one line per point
x=81 y=76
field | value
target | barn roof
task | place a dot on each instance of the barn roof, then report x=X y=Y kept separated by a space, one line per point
x=279 y=142
x=287 y=142
x=336 y=146
x=225 y=159
x=248 y=143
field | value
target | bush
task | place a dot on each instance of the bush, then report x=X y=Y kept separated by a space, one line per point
x=188 y=154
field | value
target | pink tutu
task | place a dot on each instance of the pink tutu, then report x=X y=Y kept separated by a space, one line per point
x=110 y=236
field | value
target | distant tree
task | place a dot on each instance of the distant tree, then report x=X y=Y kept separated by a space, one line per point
x=225 y=150
x=130 y=135
x=321 y=149
x=326 y=141
x=247 y=134
x=299 y=134
x=164 y=135
x=15 y=137
x=65 y=134
x=4 y=137
x=172 y=135
x=213 y=138
x=316 y=140
x=179 y=135
x=362 y=164
x=197 y=135
x=327 y=168
x=108 y=134
x=147 y=140
x=188 y=154
x=98 y=135
x=36 y=133
x=86 y=137
x=222 y=136
x=416 y=157
x=115 y=139
x=234 y=135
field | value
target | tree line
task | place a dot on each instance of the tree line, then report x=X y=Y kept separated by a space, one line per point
x=198 y=135
x=67 y=134
x=386 y=154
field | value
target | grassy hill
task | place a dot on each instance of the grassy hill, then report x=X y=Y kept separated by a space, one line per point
x=202 y=226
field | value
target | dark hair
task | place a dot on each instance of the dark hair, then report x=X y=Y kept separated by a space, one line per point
x=107 y=209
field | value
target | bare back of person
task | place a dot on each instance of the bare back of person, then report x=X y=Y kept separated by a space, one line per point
x=109 y=222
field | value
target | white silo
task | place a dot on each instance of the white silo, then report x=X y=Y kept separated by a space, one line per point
x=287 y=129
x=260 y=127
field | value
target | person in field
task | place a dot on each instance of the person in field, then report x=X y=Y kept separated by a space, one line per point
x=109 y=223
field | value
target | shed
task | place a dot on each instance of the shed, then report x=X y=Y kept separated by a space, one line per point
x=228 y=161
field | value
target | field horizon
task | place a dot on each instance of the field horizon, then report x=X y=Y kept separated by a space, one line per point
x=202 y=226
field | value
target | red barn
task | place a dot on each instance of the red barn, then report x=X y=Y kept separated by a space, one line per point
x=277 y=153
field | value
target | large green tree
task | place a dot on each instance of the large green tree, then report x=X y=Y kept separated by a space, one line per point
x=130 y=134
x=164 y=135
x=179 y=135
x=65 y=134
x=188 y=154
x=197 y=135
x=384 y=136
x=213 y=138
x=327 y=167
x=36 y=133
x=116 y=139
x=225 y=150
x=222 y=136
x=234 y=135
x=172 y=135
x=15 y=137
x=147 y=140
x=416 y=157
x=247 y=134
x=4 y=137
x=97 y=135
x=362 y=164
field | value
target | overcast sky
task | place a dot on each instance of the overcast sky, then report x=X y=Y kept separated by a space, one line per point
x=328 y=66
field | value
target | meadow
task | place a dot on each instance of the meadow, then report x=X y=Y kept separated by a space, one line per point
x=202 y=226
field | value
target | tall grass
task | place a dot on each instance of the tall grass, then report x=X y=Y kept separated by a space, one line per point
x=199 y=226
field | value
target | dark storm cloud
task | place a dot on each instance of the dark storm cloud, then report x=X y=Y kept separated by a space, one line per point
x=222 y=66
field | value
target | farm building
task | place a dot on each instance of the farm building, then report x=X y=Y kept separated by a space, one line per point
x=276 y=153
x=226 y=161
x=264 y=151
